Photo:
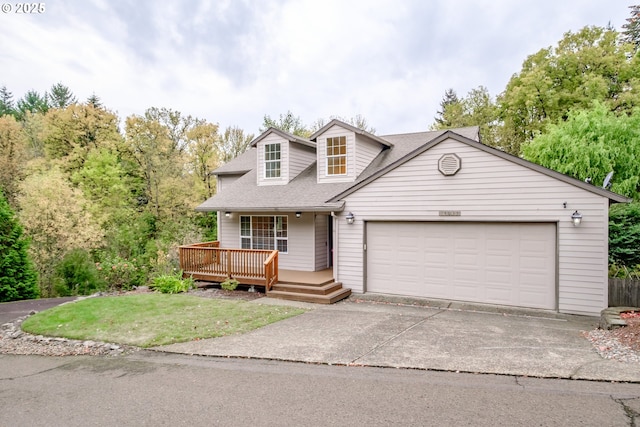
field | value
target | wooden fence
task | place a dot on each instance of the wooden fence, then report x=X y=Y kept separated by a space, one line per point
x=624 y=293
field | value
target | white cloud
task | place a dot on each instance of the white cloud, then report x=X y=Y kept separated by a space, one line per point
x=231 y=62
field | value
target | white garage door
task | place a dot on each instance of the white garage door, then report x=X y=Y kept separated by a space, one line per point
x=506 y=264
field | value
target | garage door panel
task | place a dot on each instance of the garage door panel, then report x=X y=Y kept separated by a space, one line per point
x=510 y=264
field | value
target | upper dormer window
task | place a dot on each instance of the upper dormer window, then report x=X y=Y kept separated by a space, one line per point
x=272 y=160
x=337 y=155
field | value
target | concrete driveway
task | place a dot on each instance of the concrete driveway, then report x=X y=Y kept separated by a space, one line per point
x=523 y=343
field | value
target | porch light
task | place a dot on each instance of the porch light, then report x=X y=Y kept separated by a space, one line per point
x=576 y=217
x=298 y=214
x=350 y=217
x=227 y=214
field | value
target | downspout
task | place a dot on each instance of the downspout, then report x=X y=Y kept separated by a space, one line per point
x=336 y=245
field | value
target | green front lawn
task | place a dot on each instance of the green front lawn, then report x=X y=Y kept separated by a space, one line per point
x=148 y=320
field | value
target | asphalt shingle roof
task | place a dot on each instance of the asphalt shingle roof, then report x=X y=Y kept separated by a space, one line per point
x=304 y=193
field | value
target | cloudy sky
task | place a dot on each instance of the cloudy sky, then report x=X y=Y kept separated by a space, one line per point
x=233 y=61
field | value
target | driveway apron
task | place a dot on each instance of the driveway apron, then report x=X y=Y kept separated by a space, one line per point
x=399 y=336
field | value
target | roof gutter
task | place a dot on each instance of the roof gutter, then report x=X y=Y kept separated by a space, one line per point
x=327 y=207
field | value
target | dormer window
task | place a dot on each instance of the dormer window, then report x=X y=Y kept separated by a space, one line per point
x=272 y=160
x=337 y=155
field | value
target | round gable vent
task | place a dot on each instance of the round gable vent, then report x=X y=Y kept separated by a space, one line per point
x=449 y=164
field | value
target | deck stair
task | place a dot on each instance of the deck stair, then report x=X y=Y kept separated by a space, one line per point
x=325 y=292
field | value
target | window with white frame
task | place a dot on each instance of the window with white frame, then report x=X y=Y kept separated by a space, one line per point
x=337 y=155
x=264 y=232
x=272 y=160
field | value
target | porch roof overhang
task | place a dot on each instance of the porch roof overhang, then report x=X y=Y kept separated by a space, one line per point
x=327 y=207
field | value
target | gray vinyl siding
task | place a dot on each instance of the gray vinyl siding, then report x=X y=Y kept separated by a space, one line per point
x=335 y=131
x=294 y=158
x=300 y=254
x=284 y=154
x=486 y=189
x=321 y=242
x=366 y=151
x=300 y=158
x=222 y=181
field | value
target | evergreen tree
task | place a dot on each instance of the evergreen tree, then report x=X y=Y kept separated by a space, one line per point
x=32 y=102
x=94 y=101
x=631 y=33
x=18 y=279
x=449 y=100
x=6 y=102
x=60 y=96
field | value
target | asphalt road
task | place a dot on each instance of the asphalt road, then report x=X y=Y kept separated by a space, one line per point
x=12 y=310
x=159 y=389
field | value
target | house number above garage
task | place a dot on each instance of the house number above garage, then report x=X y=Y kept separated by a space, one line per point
x=449 y=164
x=449 y=213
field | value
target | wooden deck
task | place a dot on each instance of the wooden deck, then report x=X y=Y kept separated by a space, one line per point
x=209 y=263
x=306 y=277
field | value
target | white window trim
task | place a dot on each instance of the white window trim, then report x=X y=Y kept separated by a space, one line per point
x=345 y=155
x=279 y=161
x=276 y=239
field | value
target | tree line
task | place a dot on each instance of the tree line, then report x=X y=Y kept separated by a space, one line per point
x=99 y=206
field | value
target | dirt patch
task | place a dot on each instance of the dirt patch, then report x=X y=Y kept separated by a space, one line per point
x=213 y=290
x=206 y=290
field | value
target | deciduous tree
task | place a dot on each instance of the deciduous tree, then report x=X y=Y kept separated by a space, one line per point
x=55 y=218
x=588 y=65
x=204 y=155
x=286 y=122
x=71 y=133
x=476 y=109
x=233 y=143
x=358 y=121
x=12 y=156
x=590 y=144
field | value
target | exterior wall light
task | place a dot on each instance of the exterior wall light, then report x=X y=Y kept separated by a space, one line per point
x=576 y=217
x=350 y=217
x=298 y=214
x=227 y=214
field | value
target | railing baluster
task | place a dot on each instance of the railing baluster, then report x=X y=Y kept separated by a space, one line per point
x=207 y=259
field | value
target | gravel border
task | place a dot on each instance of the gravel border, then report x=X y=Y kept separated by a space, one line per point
x=15 y=341
x=621 y=344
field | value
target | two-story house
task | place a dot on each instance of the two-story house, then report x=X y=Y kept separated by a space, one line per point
x=431 y=214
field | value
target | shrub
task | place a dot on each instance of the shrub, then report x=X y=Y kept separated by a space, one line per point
x=624 y=272
x=229 y=284
x=172 y=283
x=76 y=274
x=120 y=274
x=624 y=235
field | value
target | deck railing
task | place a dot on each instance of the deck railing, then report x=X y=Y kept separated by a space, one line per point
x=207 y=261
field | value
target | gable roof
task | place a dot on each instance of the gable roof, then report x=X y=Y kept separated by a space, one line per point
x=285 y=135
x=303 y=193
x=451 y=134
x=239 y=165
x=336 y=122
